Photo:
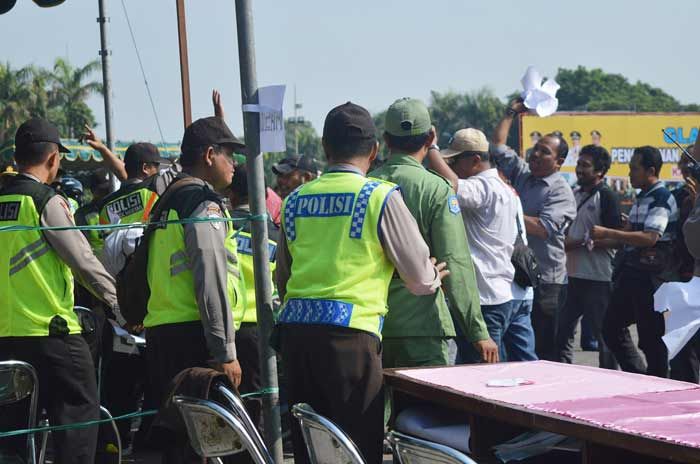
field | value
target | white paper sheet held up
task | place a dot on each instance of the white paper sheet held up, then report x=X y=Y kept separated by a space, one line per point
x=538 y=96
x=270 y=103
x=682 y=301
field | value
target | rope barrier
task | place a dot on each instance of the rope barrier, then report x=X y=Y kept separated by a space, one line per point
x=136 y=225
x=131 y=415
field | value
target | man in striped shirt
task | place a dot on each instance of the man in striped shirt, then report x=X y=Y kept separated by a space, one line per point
x=647 y=261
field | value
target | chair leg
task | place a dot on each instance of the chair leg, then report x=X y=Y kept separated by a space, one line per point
x=44 y=442
x=104 y=411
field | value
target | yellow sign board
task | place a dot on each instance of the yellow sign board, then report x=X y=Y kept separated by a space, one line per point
x=620 y=133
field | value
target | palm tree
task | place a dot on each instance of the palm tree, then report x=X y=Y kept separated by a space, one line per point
x=68 y=93
x=15 y=94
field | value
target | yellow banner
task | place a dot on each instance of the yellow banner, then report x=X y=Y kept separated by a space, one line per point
x=620 y=133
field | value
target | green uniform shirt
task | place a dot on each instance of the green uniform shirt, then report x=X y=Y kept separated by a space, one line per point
x=432 y=202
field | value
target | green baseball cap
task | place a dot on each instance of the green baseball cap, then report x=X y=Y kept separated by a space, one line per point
x=407 y=116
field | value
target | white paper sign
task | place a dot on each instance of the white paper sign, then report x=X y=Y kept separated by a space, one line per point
x=270 y=103
x=682 y=301
x=538 y=96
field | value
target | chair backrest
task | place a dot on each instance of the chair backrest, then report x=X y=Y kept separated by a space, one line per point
x=325 y=441
x=18 y=380
x=236 y=406
x=410 y=450
x=214 y=431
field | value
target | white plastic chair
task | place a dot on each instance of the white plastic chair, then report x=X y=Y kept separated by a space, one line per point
x=214 y=431
x=325 y=441
x=410 y=450
x=18 y=380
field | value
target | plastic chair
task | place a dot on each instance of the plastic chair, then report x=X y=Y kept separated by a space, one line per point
x=88 y=322
x=18 y=380
x=236 y=406
x=215 y=431
x=410 y=450
x=325 y=441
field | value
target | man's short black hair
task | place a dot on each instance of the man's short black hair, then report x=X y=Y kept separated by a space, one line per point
x=33 y=154
x=347 y=148
x=563 y=146
x=239 y=185
x=407 y=143
x=650 y=157
x=601 y=157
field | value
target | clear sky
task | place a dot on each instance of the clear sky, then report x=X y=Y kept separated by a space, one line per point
x=367 y=51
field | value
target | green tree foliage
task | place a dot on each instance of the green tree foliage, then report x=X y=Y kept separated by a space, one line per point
x=58 y=95
x=595 y=90
x=70 y=88
x=452 y=111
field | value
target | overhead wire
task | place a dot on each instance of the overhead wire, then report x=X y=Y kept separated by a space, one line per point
x=143 y=72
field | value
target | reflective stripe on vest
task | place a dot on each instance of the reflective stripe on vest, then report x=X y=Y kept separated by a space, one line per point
x=340 y=274
x=37 y=286
x=171 y=281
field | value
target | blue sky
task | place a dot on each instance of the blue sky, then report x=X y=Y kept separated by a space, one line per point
x=367 y=51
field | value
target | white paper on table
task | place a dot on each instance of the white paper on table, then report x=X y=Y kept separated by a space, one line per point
x=682 y=301
x=538 y=96
x=270 y=103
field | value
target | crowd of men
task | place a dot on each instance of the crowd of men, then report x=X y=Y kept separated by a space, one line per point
x=434 y=256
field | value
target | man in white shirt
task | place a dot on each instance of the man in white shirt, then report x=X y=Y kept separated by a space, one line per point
x=489 y=211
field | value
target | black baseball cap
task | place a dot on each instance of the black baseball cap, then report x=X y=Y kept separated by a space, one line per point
x=38 y=130
x=290 y=163
x=209 y=131
x=142 y=152
x=349 y=122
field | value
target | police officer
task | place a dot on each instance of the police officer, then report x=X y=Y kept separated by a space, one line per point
x=193 y=268
x=344 y=235
x=37 y=322
x=245 y=315
x=417 y=328
x=89 y=214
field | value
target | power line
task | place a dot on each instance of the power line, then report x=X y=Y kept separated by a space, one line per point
x=143 y=73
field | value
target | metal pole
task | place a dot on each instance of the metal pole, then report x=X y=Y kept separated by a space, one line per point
x=256 y=193
x=184 y=63
x=296 y=123
x=105 y=53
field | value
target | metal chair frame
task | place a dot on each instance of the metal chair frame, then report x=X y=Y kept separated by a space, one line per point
x=20 y=367
x=188 y=404
x=238 y=408
x=406 y=445
x=86 y=313
x=308 y=418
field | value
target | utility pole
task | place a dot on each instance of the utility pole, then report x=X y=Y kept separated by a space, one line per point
x=296 y=123
x=184 y=63
x=105 y=53
x=261 y=263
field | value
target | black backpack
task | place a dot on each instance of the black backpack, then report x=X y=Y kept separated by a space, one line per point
x=133 y=291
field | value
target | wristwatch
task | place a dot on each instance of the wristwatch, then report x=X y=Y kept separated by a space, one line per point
x=434 y=147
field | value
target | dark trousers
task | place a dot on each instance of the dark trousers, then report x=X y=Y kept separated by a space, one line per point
x=632 y=302
x=67 y=389
x=338 y=372
x=587 y=298
x=546 y=308
x=685 y=365
x=248 y=356
x=170 y=349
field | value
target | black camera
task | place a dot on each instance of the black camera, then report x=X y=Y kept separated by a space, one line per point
x=695 y=171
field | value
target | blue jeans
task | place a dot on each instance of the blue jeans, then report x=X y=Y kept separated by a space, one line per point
x=510 y=328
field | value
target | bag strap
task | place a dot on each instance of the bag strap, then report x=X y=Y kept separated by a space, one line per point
x=593 y=192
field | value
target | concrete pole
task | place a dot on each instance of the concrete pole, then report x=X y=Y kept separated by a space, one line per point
x=184 y=63
x=105 y=54
x=256 y=193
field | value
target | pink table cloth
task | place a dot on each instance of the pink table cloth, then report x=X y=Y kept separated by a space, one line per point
x=671 y=415
x=658 y=408
x=551 y=381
